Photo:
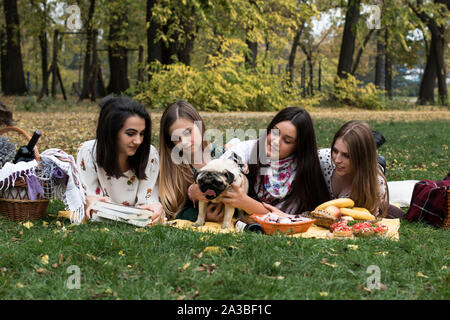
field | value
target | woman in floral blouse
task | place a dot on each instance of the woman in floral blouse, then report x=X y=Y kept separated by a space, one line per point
x=121 y=165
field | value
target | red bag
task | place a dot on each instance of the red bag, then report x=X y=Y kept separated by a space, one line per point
x=429 y=201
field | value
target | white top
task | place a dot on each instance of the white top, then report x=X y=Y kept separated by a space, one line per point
x=243 y=149
x=327 y=165
x=127 y=190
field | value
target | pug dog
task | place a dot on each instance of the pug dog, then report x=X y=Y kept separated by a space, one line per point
x=215 y=178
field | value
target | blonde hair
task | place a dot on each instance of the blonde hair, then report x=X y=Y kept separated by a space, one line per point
x=363 y=159
x=175 y=179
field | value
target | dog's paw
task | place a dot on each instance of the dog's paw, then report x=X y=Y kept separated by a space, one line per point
x=198 y=224
x=226 y=225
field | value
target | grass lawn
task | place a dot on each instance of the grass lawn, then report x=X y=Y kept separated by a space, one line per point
x=118 y=261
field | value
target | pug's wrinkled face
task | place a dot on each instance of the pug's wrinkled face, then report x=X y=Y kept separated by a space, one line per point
x=213 y=183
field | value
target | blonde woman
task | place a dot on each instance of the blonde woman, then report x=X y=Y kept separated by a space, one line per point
x=182 y=152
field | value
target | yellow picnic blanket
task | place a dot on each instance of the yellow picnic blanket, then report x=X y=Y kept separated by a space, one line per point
x=313 y=232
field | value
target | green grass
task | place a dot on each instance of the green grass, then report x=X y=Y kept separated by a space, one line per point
x=121 y=261
x=116 y=261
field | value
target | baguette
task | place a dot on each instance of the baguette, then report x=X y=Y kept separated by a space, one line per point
x=341 y=203
x=357 y=214
x=323 y=214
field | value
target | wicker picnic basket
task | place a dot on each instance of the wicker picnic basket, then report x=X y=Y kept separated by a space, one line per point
x=446 y=223
x=14 y=202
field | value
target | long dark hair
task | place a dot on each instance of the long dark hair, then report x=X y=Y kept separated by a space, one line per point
x=308 y=188
x=113 y=114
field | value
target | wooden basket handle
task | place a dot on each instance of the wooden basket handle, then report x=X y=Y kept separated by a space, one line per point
x=37 y=156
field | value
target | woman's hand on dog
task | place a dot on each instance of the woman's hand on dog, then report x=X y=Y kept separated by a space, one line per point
x=215 y=212
x=236 y=197
x=195 y=194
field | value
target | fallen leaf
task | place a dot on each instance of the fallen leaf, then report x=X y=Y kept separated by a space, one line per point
x=14 y=239
x=352 y=247
x=213 y=249
x=280 y=278
x=60 y=258
x=28 y=225
x=277 y=264
x=108 y=291
x=41 y=270
x=19 y=285
x=421 y=275
x=44 y=223
x=55 y=265
x=91 y=256
x=181 y=297
x=121 y=253
x=209 y=268
x=186 y=266
x=44 y=259
x=382 y=253
x=323 y=294
x=333 y=265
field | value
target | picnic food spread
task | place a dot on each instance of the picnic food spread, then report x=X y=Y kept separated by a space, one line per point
x=345 y=220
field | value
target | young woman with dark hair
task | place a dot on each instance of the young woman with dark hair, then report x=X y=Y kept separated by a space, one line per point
x=284 y=169
x=121 y=165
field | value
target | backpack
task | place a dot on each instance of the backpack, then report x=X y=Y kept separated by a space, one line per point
x=429 y=202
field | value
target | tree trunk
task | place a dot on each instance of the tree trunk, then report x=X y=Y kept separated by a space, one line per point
x=387 y=67
x=140 y=73
x=3 y=55
x=303 y=79
x=441 y=72
x=435 y=65
x=250 y=58
x=348 y=39
x=154 y=50
x=292 y=55
x=118 y=57
x=361 y=50
x=428 y=81
x=15 y=80
x=311 y=74
x=379 y=60
x=186 y=44
x=87 y=57
x=43 y=42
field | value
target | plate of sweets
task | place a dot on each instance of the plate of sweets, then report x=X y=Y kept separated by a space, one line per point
x=272 y=223
x=348 y=229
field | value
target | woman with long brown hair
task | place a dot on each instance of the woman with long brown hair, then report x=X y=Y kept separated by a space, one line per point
x=351 y=168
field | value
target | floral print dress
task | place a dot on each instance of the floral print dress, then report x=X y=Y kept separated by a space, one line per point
x=127 y=190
